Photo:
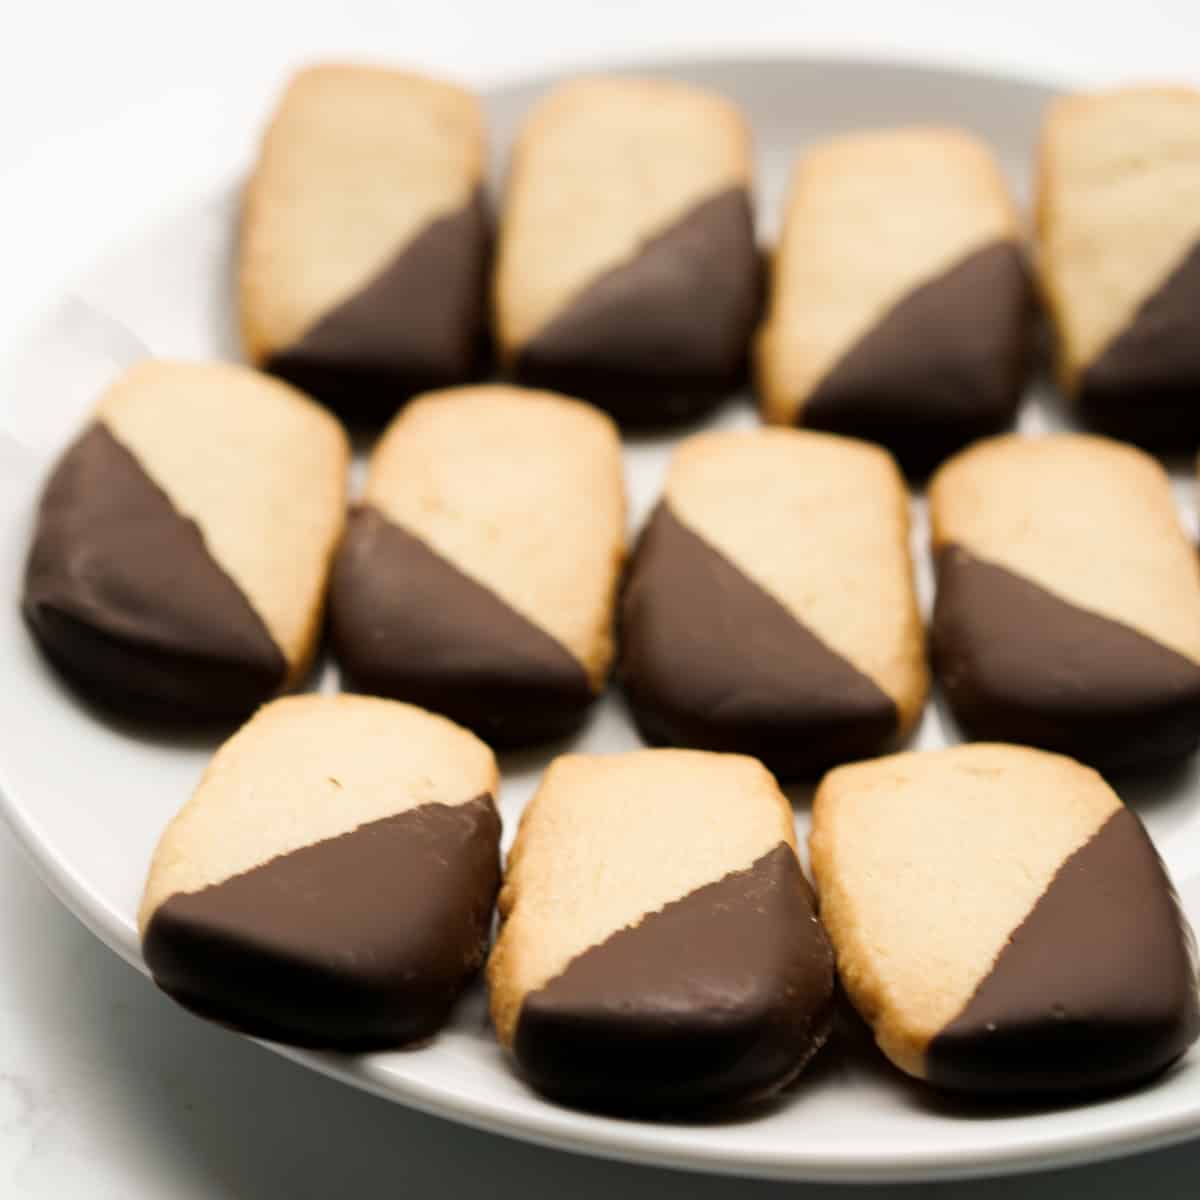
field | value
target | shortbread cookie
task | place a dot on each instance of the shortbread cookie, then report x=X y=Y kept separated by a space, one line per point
x=478 y=576
x=900 y=303
x=1119 y=227
x=770 y=607
x=627 y=270
x=183 y=542
x=365 y=239
x=659 y=948
x=1068 y=604
x=331 y=881
x=1002 y=921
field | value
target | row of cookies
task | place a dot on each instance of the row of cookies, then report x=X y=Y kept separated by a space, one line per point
x=997 y=915
x=769 y=607
x=626 y=270
x=186 y=543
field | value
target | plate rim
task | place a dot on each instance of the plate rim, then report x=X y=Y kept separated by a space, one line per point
x=611 y=1138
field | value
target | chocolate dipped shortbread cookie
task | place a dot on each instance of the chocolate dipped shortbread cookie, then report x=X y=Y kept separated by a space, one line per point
x=659 y=950
x=627 y=271
x=183 y=542
x=364 y=239
x=1118 y=218
x=900 y=304
x=478 y=575
x=331 y=881
x=1002 y=921
x=1068 y=600
x=770 y=608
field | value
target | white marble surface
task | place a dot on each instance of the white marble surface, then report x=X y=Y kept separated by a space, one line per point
x=107 y=1090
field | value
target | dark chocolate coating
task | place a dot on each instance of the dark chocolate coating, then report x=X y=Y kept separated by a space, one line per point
x=408 y=624
x=1096 y=988
x=662 y=337
x=419 y=324
x=945 y=364
x=356 y=942
x=717 y=998
x=711 y=660
x=125 y=599
x=1145 y=385
x=1019 y=664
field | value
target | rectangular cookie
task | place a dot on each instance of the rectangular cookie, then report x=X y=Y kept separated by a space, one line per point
x=627 y=271
x=295 y=895
x=1118 y=217
x=899 y=307
x=1002 y=921
x=1068 y=601
x=183 y=542
x=364 y=239
x=770 y=607
x=478 y=576
x=658 y=950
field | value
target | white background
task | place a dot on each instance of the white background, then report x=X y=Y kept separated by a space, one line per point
x=107 y=112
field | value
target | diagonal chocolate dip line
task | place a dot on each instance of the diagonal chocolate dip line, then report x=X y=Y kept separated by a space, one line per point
x=719 y=997
x=943 y=366
x=663 y=336
x=1095 y=989
x=1019 y=664
x=1144 y=384
x=418 y=324
x=125 y=599
x=710 y=660
x=407 y=623
x=358 y=941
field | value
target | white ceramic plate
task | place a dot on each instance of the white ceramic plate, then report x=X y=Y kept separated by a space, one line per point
x=88 y=797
